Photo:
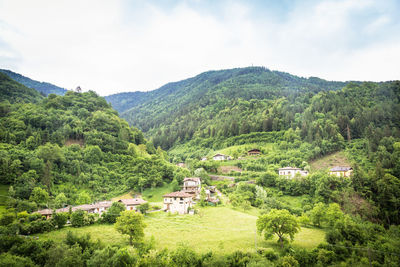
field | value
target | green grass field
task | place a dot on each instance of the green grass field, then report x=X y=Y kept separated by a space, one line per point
x=217 y=229
x=3 y=197
x=335 y=159
x=156 y=194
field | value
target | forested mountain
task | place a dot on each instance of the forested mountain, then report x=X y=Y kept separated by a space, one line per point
x=124 y=101
x=76 y=148
x=15 y=92
x=43 y=87
x=240 y=101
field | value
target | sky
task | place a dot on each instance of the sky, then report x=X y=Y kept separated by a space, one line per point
x=139 y=45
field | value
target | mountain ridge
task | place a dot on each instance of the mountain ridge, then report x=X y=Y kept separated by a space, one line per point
x=43 y=87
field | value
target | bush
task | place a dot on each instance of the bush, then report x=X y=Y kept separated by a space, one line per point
x=10 y=260
x=40 y=226
x=78 y=218
x=113 y=212
x=60 y=219
x=7 y=219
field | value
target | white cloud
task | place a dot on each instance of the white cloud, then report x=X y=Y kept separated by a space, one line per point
x=101 y=45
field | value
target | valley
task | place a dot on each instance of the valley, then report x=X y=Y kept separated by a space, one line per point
x=266 y=144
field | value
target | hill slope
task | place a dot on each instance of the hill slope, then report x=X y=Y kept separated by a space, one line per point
x=75 y=145
x=183 y=109
x=15 y=92
x=43 y=87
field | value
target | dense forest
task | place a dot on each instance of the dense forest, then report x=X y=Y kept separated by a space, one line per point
x=43 y=87
x=222 y=103
x=74 y=146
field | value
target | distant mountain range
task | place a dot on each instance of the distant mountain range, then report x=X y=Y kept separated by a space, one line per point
x=15 y=92
x=43 y=87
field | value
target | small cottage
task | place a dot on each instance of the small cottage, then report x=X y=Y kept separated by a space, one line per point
x=177 y=202
x=204 y=159
x=290 y=172
x=220 y=157
x=254 y=152
x=132 y=203
x=341 y=171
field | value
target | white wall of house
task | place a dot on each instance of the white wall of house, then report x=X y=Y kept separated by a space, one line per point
x=219 y=157
x=131 y=207
x=292 y=173
x=177 y=204
x=341 y=173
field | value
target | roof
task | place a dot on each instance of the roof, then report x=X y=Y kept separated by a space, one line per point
x=45 y=212
x=103 y=204
x=84 y=207
x=132 y=201
x=66 y=209
x=177 y=194
x=216 y=155
x=196 y=179
x=289 y=168
x=340 y=169
x=254 y=150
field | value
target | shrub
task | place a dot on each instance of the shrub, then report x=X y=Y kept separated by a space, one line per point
x=78 y=218
x=60 y=219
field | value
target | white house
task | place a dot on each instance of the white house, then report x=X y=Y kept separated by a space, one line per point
x=220 y=157
x=177 y=202
x=192 y=186
x=291 y=172
x=204 y=159
x=132 y=203
x=341 y=171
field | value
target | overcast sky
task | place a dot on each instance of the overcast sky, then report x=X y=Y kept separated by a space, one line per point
x=120 y=45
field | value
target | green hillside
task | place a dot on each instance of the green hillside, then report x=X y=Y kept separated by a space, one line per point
x=15 y=92
x=180 y=110
x=124 y=101
x=77 y=148
x=43 y=87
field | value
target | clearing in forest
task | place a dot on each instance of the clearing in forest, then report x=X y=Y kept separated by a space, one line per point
x=335 y=159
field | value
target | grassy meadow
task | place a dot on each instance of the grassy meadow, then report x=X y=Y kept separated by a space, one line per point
x=218 y=229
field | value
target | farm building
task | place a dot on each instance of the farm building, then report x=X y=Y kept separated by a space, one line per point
x=290 y=172
x=132 y=203
x=97 y=208
x=254 y=152
x=177 y=202
x=341 y=171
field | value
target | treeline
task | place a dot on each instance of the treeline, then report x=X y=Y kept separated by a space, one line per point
x=43 y=87
x=225 y=99
x=367 y=110
x=75 y=147
x=15 y=92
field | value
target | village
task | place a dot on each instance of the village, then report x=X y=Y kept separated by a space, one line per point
x=183 y=201
x=180 y=202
